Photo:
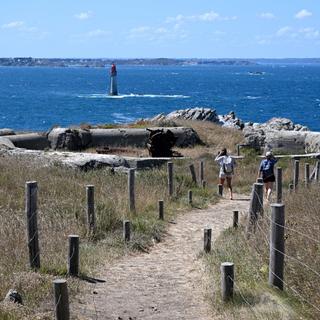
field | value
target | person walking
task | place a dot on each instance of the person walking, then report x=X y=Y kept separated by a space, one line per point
x=226 y=172
x=266 y=171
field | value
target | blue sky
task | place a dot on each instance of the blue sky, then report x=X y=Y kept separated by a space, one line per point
x=160 y=28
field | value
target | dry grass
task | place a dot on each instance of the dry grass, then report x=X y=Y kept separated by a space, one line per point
x=61 y=211
x=253 y=298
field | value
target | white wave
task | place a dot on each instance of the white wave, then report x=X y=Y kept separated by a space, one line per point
x=131 y=95
x=318 y=100
x=252 y=97
x=121 y=118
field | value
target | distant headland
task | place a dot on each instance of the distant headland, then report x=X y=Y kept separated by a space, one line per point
x=102 y=62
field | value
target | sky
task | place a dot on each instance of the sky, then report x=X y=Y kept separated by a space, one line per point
x=160 y=28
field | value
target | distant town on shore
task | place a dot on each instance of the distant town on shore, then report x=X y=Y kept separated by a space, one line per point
x=101 y=62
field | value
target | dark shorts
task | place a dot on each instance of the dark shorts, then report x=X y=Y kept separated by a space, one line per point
x=269 y=179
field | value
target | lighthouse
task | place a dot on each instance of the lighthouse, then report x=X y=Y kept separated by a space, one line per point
x=113 y=81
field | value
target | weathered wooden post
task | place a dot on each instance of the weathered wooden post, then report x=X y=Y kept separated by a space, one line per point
x=238 y=149
x=317 y=171
x=201 y=172
x=73 y=256
x=170 y=178
x=256 y=204
x=190 y=197
x=126 y=230
x=207 y=240
x=61 y=299
x=235 y=219
x=279 y=185
x=193 y=173
x=276 y=262
x=161 y=209
x=296 y=174
x=131 y=190
x=291 y=187
x=91 y=217
x=220 y=190
x=307 y=174
x=204 y=184
x=31 y=195
x=227 y=278
x=260 y=180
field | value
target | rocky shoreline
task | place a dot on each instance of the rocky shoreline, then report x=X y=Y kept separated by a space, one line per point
x=278 y=134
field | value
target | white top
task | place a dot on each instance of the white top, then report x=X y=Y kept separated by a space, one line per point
x=221 y=160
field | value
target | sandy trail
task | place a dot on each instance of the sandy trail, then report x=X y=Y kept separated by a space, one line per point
x=166 y=283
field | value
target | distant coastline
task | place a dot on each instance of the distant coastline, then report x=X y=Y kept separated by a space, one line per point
x=102 y=62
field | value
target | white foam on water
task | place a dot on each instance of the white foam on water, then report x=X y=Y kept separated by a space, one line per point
x=121 y=118
x=131 y=95
x=252 y=97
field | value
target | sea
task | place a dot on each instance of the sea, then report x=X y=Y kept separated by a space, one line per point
x=37 y=98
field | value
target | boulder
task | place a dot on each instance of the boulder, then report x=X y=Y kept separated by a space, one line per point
x=4 y=142
x=231 y=121
x=69 y=139
x=285 y=141
x=6 y=132
x=312 y=142
x=196 y=114
x=34 y=141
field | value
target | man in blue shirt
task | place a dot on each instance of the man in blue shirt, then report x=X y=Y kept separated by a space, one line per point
x=267 y=173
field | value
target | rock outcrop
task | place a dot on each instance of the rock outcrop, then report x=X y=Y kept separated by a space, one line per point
x=196 y=114
x=6 y=132
x=279 y=134
x=69 y=139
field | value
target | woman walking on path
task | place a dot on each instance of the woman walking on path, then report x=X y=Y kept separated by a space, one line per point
x=267 y=173
x=226 y=172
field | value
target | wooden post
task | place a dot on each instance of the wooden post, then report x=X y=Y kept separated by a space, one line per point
x=131 y=190
x=126 y=230
x=220 y=190
x=276 y=261
x=307 y=174
x=190 y=197
x=238 y=149
x=279 y=185
x=291 y=187
x=90 y=209
x=256 y=204
x=260 y=180
x=61 y=299
x=161 y=209
x=317 y=171
x=204 y=184
x=296 y=174
x=227 y=278
x=170 y=178
x=207 y=240
x=235 y=219
x=73 y=256
x=32 y=223
x=193 y=173
x=201 y=172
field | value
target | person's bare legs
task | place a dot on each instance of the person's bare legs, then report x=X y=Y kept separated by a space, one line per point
x=229 y=180
x=269 y=187
x=221 y=181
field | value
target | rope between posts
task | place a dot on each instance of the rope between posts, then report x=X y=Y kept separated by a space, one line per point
x=290 y=229
x=288 y=256
x=243 y=298
x=288 y=286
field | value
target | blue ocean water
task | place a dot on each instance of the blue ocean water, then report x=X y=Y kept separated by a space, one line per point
x=38 y=98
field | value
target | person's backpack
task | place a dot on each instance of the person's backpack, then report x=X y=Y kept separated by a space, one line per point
x=228 y=165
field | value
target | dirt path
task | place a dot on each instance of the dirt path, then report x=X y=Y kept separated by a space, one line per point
x=165 y=283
